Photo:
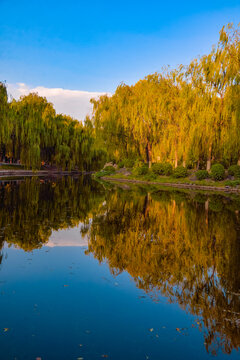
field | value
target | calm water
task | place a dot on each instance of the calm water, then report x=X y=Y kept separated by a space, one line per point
x=92 y=272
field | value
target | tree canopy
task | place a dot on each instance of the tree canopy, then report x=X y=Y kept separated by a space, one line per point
x=190 y=115
x=32 y=133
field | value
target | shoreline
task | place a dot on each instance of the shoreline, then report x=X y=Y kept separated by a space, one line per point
x=175 y=185
x=23 y=173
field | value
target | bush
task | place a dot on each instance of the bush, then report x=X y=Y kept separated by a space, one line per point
x=102 y=173
x=180 y=172
x=110 y=168
x=157 y=168
x=140 y=170
x=168 y=169
x=217 y=172
x=234 y=170
x=128 y=163
x=138 y=163
x=162 y=169
x=232 y=183
x=150 y=176
x=202 y=174
x=121 y=164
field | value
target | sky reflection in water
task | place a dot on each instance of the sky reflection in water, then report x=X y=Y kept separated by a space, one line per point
x=159 y=280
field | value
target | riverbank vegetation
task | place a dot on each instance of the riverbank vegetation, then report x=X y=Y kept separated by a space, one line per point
x=188 y=117
x=164 y=173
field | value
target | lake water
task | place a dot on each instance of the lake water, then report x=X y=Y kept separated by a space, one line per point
x=92 y=271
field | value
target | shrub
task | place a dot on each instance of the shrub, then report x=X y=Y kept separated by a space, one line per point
x=217 y=172
x=180 y=172
x=121 y=164
x=138 y=163
x=110 y=168
x=234 y=170
x=150 y=176
x=162 y=169
x=128 y=163
x=157 y=168
x=168 y=169
x=232 y=183
x=102 y=173
x=140 y=170
x=202 y=174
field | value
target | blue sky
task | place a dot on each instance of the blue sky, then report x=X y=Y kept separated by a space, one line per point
x=94 y=46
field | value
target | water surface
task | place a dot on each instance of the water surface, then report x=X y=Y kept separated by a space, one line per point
x=90 y=271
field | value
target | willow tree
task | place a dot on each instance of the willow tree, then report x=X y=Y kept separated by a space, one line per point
x=218 y=75
x=111 y=121
x=147 y=118
x=189 y=115
x=5 y=125
x=230 y=49
x=31 y=116
x=33 y=134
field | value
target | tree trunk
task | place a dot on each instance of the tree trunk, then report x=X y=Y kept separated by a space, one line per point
x=176 y=159
x=149 y=155
x=184 y=163
x=238 y=161
x=209 y=158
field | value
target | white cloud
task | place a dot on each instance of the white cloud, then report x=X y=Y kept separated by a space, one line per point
x=75 y=103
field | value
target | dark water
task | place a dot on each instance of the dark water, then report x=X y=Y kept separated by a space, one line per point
x=96 y=272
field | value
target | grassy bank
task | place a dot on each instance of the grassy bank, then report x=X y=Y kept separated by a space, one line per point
x=11 y=167
x=206 y=184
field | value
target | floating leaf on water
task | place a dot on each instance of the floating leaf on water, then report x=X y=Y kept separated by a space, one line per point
x=178 y=329
x=5 y=329
x=65 y=285
x=104 y=356
x=151 y=330
x=80 y=358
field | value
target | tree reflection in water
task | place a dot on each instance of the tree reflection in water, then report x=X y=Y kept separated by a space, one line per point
x=31 y=209
x=186 y=248
x=183 y=246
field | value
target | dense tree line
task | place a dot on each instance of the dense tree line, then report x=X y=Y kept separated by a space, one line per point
x=32 y=133
x=188 y=116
